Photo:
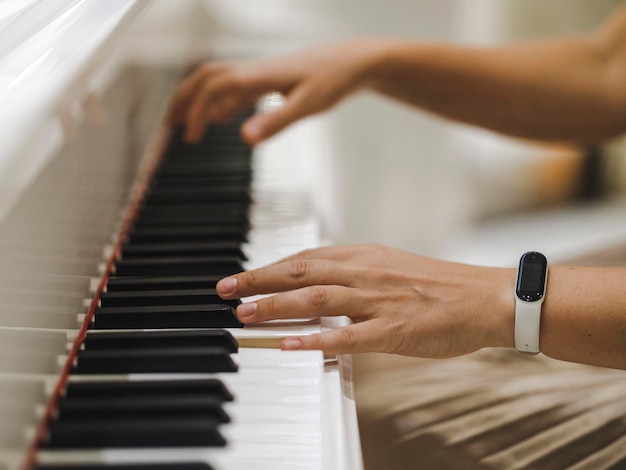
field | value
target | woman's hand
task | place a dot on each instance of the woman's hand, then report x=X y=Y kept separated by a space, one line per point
x=399 y=302
x=311 y=81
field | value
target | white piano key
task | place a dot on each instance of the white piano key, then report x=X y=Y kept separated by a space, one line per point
x=277 y=406
x=71 y=285
x=40 y=299
x=20 y=316
x=11 y=458
x=31 y=352
x=272 y=456
x=18 y=399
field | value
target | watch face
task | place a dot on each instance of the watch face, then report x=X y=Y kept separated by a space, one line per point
x=531 y=277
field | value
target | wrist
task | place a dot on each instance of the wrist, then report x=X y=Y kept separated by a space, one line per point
x=382 y=63
x=500 y=326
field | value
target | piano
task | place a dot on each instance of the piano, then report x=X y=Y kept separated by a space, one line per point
x=115 y=352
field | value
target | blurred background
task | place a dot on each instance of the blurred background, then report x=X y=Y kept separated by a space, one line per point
x=393 y=175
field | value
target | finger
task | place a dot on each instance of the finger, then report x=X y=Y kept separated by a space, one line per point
x=184 y=95
x=367 y=336
x=282 y=277
x=297 y=105
x=207 y=103
x=233 y=106
x=315 y=301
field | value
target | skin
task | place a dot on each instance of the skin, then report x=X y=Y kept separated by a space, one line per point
x=571 y=88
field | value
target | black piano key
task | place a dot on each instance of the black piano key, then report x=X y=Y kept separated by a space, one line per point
x=194 y=207
x=164 y=297
x=142 y=361
x=218 y=151
x=153 y=250
x=195 y=195
x=114 y=409
x=204 y=234
x=214 y=149
x=176 y=316
x=220 y=154
x=183 y=221
x=178 y=266
x=160 y=339
x=201 y=162
x=134 y=434
x=200 y=167
x=175 y=181
x=207 y=209
x=148 y=388
x=117 y=466
x=191 y=220
x=131 y=283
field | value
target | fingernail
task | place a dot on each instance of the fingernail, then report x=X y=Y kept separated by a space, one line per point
x=292 y=344
x=227 y=285
x=246 y=310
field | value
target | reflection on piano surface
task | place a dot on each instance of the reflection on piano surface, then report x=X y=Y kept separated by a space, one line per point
x=129 y=359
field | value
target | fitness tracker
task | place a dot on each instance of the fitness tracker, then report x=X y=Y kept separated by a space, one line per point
x=530 y=289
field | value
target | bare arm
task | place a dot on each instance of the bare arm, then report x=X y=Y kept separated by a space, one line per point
x=569 y=88
x=406 y=304
x=584 y=316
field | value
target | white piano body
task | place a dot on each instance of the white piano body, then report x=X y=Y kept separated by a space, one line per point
x=78 y=122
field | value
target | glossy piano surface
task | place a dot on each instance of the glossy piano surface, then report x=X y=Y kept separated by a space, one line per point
x=80 y=124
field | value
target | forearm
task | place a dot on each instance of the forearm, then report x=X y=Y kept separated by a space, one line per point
x=584 y=316
x=565 y=89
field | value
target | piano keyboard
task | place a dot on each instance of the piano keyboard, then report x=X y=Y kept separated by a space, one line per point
x=272 y=422
x=187 y=395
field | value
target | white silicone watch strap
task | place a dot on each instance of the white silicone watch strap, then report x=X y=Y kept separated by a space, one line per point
x=527 y=321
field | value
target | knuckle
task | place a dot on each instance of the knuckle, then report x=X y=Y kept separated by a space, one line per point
x=298 y=268
x=268 y=306
x=238 y=79
x=348 y=338
x=251 y=279
x=317 y=341
x=306 y=103
x=218 y=66
x=204 y=68
x=205 y=93
x=318 y=297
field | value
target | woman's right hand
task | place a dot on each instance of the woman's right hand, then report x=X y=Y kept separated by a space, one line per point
x=311 y=81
